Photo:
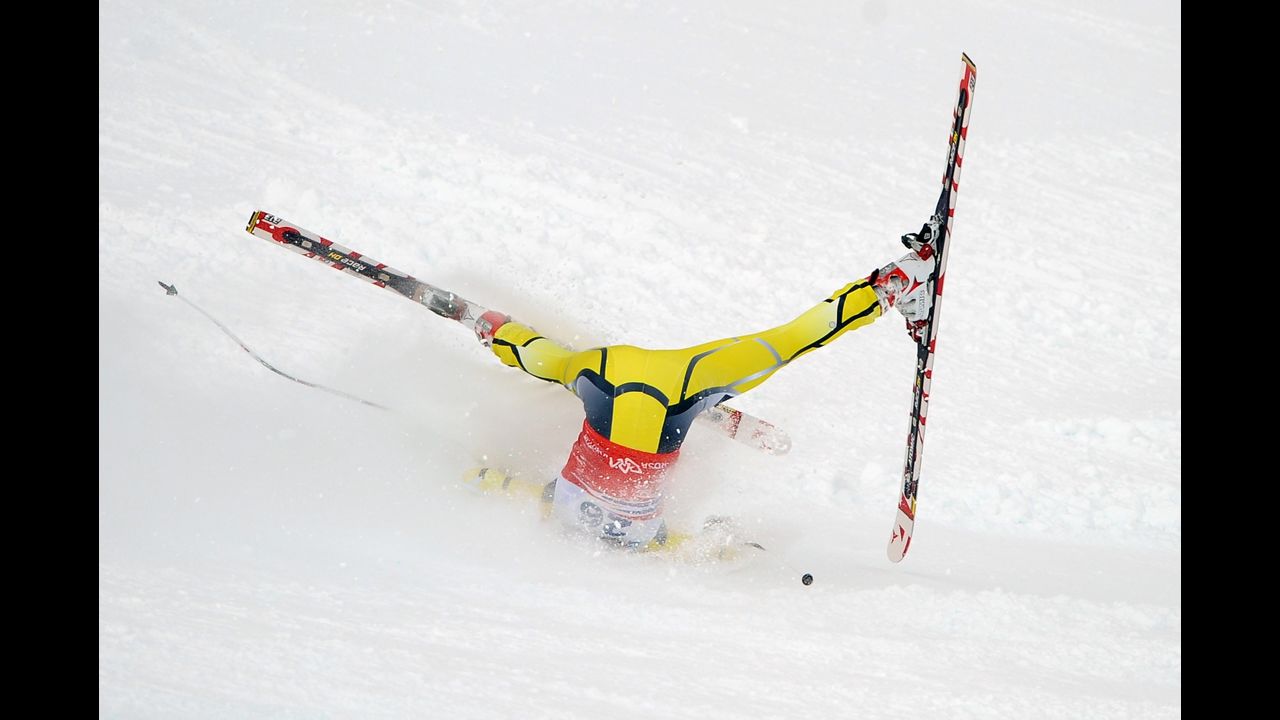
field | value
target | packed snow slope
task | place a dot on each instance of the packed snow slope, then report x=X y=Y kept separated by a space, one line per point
x=654 y=174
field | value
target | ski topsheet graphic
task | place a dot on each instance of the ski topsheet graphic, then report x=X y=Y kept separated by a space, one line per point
x=944 y=214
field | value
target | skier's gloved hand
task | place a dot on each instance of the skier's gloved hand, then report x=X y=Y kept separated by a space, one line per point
x=487 y=326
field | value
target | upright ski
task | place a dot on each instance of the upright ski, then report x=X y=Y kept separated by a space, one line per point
x=733 y=423
x=900 y=540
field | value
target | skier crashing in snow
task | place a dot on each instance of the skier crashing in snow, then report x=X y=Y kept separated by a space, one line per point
x=641 y=403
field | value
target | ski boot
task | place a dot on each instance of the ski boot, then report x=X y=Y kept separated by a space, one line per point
x=908 y=284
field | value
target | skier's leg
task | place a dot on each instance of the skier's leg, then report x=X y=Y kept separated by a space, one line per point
x=741 y=363
x=519 y=345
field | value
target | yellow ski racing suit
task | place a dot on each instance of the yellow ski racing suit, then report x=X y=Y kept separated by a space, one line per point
x=641 y=403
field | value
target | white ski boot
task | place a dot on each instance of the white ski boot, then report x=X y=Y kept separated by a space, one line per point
x=908 y=283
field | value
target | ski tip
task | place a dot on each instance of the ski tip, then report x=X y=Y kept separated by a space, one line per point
x=900 y=540
x=168 y=289
x=967 y=61
x=780 y=444
x=897 y=549
x=253 y=221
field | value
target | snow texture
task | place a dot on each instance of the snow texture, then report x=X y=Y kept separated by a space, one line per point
x=660 y=175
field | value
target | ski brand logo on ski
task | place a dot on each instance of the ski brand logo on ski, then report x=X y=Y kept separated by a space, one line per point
x=358 y=267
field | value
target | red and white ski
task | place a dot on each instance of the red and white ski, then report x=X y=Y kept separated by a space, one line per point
x=900 y=540
x=736 y=424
